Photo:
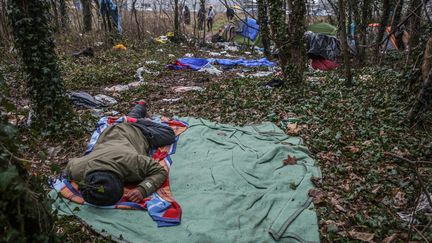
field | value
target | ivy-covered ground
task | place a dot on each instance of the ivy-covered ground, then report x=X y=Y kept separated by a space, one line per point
x=347 y=129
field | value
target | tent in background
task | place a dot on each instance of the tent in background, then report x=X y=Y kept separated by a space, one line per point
x=323 y=28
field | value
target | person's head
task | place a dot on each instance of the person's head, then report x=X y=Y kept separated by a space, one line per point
x=102 y=188
x=211 y=7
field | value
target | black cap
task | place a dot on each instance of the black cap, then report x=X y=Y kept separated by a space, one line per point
x=102 y=188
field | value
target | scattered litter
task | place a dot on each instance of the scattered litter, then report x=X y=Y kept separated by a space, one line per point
x=139 y=72
x=247 y=53
x=182 y=89
x=315 y=79
x=160 y=50
x=241 y=75
x=162 y=39
x=171 y=100
x=215 y=54
x=423 y=206
x=151 y=62
x=99 y=43
x=274 y=83
x=231 y=48
x=262 y=74
x=87 y=52
x=189 y=55
x=119 y=47
x=171 y=55
x=105 y=99
x=85 y=100
x=123 y=87
x=97 y=112
x=211 y=70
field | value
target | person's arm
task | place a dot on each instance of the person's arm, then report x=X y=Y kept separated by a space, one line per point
x=155 y=176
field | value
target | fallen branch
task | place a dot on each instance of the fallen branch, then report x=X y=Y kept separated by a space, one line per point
x=417 y=162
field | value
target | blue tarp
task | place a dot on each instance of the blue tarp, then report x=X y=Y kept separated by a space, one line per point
x=110 y=7
x=198 y=63
x=250 y=29
x=246 y=63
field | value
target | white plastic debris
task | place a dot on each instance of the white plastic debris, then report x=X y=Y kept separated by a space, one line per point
x=215 y=54
x=171 y=100
x=247 y=53
x=139 y=72
x=189 y=55
x=171 y=55
x=151 y=62
x=123 y=87
x=262 y=74
x=211 y=70
x=160 y=50
x=181 y=89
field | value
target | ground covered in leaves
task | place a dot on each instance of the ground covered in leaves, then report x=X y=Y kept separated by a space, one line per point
x=347 y=129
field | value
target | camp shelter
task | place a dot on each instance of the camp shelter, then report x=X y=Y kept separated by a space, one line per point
x=323 y=28
x=390 y=42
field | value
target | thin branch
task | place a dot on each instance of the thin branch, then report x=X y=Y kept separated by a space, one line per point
x=408 y=160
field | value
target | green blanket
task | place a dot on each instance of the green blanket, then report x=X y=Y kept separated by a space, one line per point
x=232 y=186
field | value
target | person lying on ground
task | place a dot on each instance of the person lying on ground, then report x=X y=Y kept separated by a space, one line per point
x=120 y=156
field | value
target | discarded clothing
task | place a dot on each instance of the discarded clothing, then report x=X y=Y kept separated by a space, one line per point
x=85 y=100
x=139 y=72
x=237 y=177
x=120 y=47
x=250 y=29
x=274 y=83
x=323 y=64
x=161 y=206
x=87 y=52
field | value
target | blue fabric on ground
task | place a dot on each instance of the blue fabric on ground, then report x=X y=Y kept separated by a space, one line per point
x=250 y=29
x=194 y=63
x=244 y=62
x=111 y=7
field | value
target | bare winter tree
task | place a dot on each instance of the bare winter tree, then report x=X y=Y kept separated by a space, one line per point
x=264 y=28
x=87 y=15
x=344 y=43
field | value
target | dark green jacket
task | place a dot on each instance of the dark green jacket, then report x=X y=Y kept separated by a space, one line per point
x=121 y=149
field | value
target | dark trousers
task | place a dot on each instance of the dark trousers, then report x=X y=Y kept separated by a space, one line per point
x=157 y=135
x=209 y=24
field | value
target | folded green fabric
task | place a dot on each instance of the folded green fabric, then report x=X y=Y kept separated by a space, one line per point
x=232 y=186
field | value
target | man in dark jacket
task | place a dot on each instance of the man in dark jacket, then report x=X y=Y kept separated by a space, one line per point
x=120 y=157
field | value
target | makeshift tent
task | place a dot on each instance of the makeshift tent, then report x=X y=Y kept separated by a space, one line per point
x=323 y=28
x=323 y=46
x=250 y=29
x=390 y=43
x=232 y=186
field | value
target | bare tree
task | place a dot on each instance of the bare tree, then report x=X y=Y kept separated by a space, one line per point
x=344 y=42
x=87 y=14
x=264 y=28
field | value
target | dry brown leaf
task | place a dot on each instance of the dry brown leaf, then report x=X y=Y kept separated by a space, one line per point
x=367 y=237
x=336 y=204
x=390 y=239
x=353 y=149
x=317 y=195
x=293 y=128
x=291 y=160
x=376 y=189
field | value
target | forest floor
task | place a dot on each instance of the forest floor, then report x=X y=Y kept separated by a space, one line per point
x=347 y=129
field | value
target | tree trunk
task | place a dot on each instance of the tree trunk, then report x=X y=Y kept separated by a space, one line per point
x=279 y=31
x=264 y=28
x=414 y=25
x=396 y=20
x=34 y=42
x=344 y=43
x=365 y=17
x=383 y=25
x=64 y=17
x=177 y=31
x=87 y=15
x=424 y=98
x=296 y=46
